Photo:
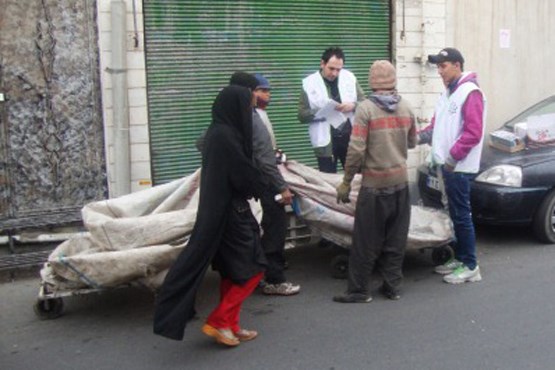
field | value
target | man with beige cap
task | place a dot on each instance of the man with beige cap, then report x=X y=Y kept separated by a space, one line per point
x=383 y=131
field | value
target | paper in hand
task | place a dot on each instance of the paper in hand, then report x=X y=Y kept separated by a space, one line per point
x=334 y=117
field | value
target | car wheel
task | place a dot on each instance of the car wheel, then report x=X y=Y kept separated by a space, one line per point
x=544 y=220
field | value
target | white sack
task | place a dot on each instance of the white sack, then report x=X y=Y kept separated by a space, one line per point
x=136 y=237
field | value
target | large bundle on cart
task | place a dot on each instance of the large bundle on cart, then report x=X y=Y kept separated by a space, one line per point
x=135 y=238
x=316 y=204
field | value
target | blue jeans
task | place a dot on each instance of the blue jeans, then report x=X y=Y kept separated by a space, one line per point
x=457 y=187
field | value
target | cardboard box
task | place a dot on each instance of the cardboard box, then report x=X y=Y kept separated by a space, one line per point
x=521 y=130
x=508 y=149
x=506 y=141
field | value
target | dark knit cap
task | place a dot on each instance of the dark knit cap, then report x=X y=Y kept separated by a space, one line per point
x=244 y=79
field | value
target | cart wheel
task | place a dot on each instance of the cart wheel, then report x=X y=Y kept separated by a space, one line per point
x=49 y=309
x=441 y=255
x=340 y=266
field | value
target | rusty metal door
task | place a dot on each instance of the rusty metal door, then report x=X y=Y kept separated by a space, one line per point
x=51 y=134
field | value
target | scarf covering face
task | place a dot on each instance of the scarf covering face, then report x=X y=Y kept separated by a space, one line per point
x=232 y=107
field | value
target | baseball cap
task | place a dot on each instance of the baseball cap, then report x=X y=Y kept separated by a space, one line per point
x=446 y=55
x=263 y=82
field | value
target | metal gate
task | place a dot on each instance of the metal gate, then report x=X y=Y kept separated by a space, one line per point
x=192 y=47
x=51 y=134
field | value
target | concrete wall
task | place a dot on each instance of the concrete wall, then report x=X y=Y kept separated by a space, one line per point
x=419 y=30
x=137 y=97
x=513 y=75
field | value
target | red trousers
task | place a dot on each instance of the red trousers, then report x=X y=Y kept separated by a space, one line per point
x=232 y=296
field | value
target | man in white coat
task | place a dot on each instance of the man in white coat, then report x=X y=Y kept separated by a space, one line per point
x=332 y=83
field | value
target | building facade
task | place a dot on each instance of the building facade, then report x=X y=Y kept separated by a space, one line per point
x=110 y=95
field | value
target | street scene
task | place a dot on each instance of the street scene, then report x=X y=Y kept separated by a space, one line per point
x=277 y=184
x=502 y=322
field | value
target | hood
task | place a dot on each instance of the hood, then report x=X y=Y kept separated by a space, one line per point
x=469 y=76
x=466 y=77
x=387 y=102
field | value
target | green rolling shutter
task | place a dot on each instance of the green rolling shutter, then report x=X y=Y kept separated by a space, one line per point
x=192 y=47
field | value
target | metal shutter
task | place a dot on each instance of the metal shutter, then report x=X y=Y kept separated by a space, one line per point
x=192 y=47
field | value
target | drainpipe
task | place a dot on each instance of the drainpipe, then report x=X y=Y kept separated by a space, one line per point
x=122 y=175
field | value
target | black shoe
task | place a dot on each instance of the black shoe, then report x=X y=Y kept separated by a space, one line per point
x=390 y=293
x=352 y=298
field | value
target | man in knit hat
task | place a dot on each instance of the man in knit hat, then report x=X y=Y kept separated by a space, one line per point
x=383 y=131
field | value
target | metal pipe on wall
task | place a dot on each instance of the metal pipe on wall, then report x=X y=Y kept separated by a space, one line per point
x=122 y=175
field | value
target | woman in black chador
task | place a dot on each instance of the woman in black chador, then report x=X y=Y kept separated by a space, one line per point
x=225 y=233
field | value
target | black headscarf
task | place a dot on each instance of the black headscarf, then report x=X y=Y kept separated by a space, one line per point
x=244 y=79
x=228 y=174
x=233 y=107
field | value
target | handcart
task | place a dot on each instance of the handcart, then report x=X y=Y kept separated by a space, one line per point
x=316 y=205
x=133 y=240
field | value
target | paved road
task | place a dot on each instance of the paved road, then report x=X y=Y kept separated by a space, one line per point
x=504 y=322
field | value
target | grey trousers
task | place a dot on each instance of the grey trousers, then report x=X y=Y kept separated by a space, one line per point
x=379 y=239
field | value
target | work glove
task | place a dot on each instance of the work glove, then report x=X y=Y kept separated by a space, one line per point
x=280 y=156
x=343 y=191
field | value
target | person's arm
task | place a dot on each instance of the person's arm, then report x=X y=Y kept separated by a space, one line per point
x=245 y=178
x=355 y=153
x=425 y=135
x=264 y=155
x=473 y=128
x=224 y=150
x=357 y=144
x=351 y=107
x=412 y=136
x=305 y=114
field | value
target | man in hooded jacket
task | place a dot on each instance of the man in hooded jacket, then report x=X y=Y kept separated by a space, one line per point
x=384 y=128
x=456 y=134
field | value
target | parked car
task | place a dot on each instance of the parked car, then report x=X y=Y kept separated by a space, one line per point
x=511 y=188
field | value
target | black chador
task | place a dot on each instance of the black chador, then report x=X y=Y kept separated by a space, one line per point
x=225 y=232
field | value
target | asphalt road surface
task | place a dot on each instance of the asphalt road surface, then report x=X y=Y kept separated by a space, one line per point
x=504 y=322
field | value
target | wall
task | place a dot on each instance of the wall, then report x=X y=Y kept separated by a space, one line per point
x=137 y=103
x=419 y=30
x=513 y=77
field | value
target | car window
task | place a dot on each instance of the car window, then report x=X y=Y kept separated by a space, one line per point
x=544 y=107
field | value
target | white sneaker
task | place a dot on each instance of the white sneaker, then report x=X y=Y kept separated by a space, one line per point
x=448 y=267
x=463 y=274
x=285 y=289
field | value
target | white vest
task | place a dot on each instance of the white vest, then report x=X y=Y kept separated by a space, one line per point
x=315 y=88
x=448 y=128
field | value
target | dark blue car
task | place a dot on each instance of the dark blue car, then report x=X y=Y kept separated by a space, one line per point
x=511 y=188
